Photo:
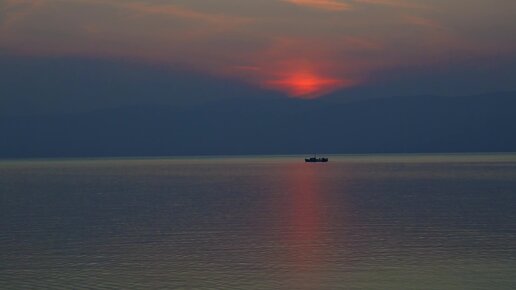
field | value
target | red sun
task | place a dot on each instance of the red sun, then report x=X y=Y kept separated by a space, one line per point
x=307 y=85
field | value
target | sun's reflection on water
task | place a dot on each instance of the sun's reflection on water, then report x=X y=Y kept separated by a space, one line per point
x=304 y=234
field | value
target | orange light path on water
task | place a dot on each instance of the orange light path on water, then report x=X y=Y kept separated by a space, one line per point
x=305 y=220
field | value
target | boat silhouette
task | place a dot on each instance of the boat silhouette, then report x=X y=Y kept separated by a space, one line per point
x=316 y=159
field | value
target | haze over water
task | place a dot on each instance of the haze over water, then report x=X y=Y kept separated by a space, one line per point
x=358 y=222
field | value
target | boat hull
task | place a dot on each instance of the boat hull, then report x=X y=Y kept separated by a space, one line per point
x=316 y=160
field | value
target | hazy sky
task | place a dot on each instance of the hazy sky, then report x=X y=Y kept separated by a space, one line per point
x=302 y=48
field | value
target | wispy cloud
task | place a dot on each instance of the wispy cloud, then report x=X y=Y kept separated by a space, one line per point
x=393 y=3
x=14 y=10
x=422 y=21
x=328 y=5
x=19 y=8
x=178 y=11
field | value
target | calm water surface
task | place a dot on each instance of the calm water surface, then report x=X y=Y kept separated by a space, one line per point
x=358 y=222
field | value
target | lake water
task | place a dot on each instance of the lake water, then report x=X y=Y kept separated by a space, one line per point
x=357 y=222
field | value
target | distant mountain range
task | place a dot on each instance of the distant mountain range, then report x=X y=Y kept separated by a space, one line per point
x=481 y=123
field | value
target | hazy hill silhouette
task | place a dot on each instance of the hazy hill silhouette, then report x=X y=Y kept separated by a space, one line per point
x=482 y=123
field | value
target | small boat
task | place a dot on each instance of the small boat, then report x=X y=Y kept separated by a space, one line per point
x=315 y=159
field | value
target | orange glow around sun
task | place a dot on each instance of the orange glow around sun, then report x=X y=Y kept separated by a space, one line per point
x=307 y=85
x=300 y=68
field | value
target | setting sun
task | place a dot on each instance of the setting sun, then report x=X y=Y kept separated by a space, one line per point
x=307 y=85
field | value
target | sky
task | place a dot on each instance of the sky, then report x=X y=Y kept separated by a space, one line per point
x=303 y=49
